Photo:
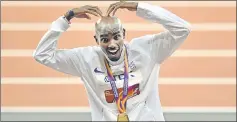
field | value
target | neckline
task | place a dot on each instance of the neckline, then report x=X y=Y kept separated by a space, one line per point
x=114 y=63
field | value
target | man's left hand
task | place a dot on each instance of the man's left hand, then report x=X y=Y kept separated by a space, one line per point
x=131 y=6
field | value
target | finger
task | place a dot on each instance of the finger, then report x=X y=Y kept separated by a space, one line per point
x=110 y=10
x=95 y=7
x=92 y=12
x=96 y=10
x=117 y=6
x=131 y=9
x=83 y=16
x=115 y=9
x=109 y=7
x=87 y=16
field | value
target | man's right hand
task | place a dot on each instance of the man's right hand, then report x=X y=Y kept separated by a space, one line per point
x=83 y=12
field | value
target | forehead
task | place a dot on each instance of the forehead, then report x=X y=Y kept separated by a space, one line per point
x=108 y=25
x=102 y=29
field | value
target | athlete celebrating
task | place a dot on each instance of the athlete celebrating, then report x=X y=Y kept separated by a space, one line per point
x=120 y=78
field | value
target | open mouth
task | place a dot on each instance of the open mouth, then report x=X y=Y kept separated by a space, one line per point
x=113 y=51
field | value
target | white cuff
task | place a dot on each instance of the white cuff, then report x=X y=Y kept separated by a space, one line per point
x=61 y=24
x=143 y=9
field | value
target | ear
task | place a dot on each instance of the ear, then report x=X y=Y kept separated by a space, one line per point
x=96 y=40
x=124 y=33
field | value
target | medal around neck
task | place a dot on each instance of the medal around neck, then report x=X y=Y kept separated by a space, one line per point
x=123 y=117
x=121 y=98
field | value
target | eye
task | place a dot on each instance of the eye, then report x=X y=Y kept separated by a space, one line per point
x=104 y=40
x=117 y=37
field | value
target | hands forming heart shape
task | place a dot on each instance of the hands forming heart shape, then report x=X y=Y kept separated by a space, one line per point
x=84 y=11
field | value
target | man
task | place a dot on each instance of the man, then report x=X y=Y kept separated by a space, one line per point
x=120 y=79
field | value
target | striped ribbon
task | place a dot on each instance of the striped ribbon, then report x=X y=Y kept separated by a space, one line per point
x=121 y=98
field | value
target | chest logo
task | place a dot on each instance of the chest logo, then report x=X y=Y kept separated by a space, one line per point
x=132 y=91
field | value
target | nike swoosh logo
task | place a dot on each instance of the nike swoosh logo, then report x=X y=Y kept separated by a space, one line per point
x=97 y=71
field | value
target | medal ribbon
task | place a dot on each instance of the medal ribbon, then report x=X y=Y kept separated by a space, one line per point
x=120 y=98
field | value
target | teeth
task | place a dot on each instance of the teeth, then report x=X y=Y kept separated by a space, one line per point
x=112 y=51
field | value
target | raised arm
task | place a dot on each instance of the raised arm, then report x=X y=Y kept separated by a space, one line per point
x=63 y=60
x=165 y=43
x=47 y=53
x=161 y=45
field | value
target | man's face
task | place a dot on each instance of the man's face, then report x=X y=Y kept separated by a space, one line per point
x=112 y=44
x=110 y=38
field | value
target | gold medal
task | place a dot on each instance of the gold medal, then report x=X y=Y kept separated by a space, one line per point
x=122 y=117
x=120 y=97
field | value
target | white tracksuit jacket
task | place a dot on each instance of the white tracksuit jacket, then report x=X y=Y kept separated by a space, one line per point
x=145 y=54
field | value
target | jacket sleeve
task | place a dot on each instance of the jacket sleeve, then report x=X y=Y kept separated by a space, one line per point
x=163 y=44
x=63 y=60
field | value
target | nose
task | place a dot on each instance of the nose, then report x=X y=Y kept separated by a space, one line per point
x=112 y=45
x=111 y=41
